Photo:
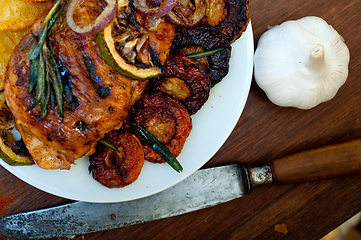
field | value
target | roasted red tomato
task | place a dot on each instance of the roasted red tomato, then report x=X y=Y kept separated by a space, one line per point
x=117 y=169
x=209 y=38
x=166 y=120
x=236 y=20
x=186 y=81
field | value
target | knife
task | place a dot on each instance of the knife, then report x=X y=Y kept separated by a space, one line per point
x=205 y=188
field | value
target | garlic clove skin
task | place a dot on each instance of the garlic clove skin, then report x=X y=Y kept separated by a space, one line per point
x=301 y=63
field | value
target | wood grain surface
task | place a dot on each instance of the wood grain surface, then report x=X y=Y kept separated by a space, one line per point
x=263 y=133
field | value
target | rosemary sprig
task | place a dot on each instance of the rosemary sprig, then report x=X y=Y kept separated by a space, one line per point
x=105 y=142
x=159 y=148
x=44 y=71
x=34 y=66
x=55 y=77
x=204 y=53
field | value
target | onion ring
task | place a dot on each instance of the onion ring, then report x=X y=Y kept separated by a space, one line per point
x=159 y=11
x=197 y=16
x=100 y=22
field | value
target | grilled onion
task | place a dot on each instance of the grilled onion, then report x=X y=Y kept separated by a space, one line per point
x=182 y=20
x=100 y=22
x=160 y=10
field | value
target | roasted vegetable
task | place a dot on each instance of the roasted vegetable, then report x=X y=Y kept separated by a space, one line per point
x=216 y=12
x=115 y=169
x=164 y=118
x=16 y=15
x=236 y=20
x=8 y=41
x=159 y=148
x=186 y=81
x=208 y=38
x=12 y=152
x=124 y=45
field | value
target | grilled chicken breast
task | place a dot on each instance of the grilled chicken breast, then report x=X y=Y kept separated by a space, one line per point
x=55 y=142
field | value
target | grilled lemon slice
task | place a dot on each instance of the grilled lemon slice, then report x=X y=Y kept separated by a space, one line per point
x=12 y=152
x=124 y=45
x=12 y=158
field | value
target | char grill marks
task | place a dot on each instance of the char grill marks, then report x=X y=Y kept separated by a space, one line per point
x=209 y=38
x=56 y=142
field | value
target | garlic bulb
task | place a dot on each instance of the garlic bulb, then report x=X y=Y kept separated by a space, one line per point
x=301 y=63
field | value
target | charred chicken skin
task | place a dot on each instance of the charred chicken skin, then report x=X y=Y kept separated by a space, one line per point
x=55 y=142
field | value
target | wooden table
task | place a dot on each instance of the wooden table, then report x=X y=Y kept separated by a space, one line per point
x=264 y=132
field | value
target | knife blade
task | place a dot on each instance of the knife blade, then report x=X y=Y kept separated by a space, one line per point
x=205 y=188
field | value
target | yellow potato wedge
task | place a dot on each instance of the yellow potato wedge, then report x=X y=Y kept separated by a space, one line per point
x=17 y=15
x=37 y=1
x=8 y=41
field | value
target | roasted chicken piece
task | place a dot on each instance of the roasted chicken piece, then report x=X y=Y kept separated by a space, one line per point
x=55 y=142
x=164 y=33
x=160 y=36
x=216 y=12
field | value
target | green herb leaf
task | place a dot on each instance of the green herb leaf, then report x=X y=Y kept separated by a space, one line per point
x=109 y=144
x=159 y=148
x=40 y=82
x=34 y=69
x=44 y=71
x=204 y=53
x=37 y=48
x=55 y=76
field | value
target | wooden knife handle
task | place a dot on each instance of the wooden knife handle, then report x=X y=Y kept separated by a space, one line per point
x=323 y=163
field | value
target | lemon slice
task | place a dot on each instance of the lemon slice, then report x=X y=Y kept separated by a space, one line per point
x=11 y=158
x=7 y=122
x=125 y=47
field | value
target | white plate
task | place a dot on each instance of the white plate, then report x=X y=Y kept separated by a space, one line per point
x=211 y=127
